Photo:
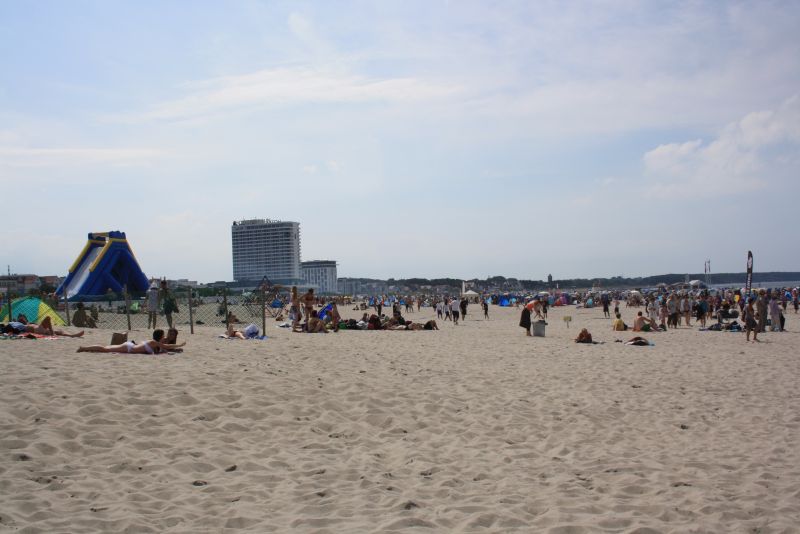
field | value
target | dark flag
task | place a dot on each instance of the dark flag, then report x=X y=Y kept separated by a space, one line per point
x=749 y=282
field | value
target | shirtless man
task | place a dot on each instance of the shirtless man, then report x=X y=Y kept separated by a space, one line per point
x=643 y=324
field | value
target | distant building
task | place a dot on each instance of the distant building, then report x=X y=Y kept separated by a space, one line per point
x=19 y=284
x=549 y=280
x=266 y=248
x=349 y=286
x=320 y=273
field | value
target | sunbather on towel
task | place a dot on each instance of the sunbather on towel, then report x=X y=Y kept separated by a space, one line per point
x=44 y=329
x=154 y=346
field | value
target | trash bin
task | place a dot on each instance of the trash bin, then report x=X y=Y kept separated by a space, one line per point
x=538 y=328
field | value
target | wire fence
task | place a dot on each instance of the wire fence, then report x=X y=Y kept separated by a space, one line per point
x=182 y=308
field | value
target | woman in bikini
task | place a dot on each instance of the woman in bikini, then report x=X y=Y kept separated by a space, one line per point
x=154 y=346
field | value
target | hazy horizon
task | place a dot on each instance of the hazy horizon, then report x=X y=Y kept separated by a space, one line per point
x=440 y=139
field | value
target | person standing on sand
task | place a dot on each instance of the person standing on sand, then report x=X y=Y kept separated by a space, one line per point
x=308 y=303
x=294 y=310
x=525 y=320
x=775 y=314
x=485 y=309
x=454 y=310
x=761 y=308
x=672 y=311
x=463 y=305
x=439 y=307
x=153 y=304
x=168 y=301
x=446 y=306
x=750 y=323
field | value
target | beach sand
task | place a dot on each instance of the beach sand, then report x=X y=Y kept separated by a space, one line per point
x=474 y=428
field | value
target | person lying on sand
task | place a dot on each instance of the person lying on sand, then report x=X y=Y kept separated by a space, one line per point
x=172 y=339
x=154 y=346
x=638 y=341
x=43 y=329
x=232 y=333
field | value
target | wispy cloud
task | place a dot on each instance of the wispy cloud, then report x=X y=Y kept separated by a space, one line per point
x=272 y=88
x=735 y=161
x=47 y=157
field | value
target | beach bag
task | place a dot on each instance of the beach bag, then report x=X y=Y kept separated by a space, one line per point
x=119 y=338
x=250 y=331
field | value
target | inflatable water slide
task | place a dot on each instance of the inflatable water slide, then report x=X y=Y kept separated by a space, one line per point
x=106 y=262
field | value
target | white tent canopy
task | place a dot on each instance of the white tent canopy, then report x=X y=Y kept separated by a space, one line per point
x=470 y=293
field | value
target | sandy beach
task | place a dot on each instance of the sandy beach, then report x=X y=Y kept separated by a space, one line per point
x=474 y=428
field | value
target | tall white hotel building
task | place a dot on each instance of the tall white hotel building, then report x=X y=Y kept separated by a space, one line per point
x=263 y=247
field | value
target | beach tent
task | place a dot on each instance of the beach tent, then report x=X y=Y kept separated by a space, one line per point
x=470 y=294
x=504 y=302
x=106 y=262
x=33 y=308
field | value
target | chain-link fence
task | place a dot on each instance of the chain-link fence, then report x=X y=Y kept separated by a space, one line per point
x=183 y=308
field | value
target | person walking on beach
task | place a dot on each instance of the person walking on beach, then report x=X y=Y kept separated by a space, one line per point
x=447 y=311
x=454 y=310
x=525 y=320
x=463 y=304
x=439 y=307
x=485 y=309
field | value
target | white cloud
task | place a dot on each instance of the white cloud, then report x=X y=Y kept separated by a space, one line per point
x=746 y=155
x=48 y=157
x=271 y=88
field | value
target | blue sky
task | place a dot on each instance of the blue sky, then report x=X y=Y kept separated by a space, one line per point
x=464 y=139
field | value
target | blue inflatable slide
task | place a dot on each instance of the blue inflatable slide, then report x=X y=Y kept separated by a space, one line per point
x=106 y=262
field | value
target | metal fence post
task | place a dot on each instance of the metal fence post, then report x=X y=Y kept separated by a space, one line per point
x=66 y=309
x=225 y=308
x=191 y=312
x=127 y=305
x=264 y=311
x=10 y=303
